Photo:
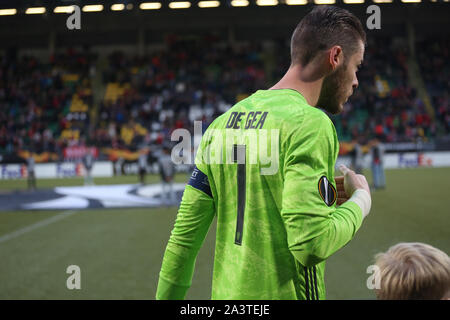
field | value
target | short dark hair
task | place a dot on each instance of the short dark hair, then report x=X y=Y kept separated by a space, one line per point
x=322 y=28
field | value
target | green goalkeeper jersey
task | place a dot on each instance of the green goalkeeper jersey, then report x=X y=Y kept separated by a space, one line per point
x=265 y=170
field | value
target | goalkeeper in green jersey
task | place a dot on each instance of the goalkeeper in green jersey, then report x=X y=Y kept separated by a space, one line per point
x=265 y=171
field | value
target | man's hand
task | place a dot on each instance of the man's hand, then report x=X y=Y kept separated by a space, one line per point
x=348 y=183
x=353 y=181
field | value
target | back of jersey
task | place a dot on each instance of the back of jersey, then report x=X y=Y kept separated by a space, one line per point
x=242 y=154
x=265 y=168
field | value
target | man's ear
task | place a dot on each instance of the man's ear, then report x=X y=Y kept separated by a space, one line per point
x=336 y=57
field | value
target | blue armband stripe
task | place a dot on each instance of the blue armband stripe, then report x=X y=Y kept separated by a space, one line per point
x=199 y=181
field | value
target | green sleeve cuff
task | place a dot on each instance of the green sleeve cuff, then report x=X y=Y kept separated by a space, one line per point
x=356 y=212
x=169 y=291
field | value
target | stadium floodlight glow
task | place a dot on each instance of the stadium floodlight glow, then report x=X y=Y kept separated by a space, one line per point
x=296 y=2
x=209 y=4
x=93 y=8
x=239 y=3
x=324 y=1
x=353 y=1
x=179 y=5
x=35 y=10
x=267 y=2
x=63 y=9
x=7 y=12
x=411 y=1
x=117 y=7
x=150 y=6
x=382 y=1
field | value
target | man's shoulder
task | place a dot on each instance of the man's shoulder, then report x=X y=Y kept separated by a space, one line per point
x=310 y=119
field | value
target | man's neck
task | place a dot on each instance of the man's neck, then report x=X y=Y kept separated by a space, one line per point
x=295 y=79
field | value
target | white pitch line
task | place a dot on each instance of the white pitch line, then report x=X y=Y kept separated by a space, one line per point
x=37 y=225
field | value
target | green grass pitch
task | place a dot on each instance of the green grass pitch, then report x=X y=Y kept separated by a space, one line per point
x=119 y=251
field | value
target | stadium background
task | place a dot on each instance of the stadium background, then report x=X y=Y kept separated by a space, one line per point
x=125 y=80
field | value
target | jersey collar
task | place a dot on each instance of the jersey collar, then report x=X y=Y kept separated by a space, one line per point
x=289 y=91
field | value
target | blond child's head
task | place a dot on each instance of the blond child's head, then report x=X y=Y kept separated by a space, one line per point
x=413 y=270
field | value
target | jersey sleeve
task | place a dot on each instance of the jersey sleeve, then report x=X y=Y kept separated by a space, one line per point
x=193 y=220
x=315 y=227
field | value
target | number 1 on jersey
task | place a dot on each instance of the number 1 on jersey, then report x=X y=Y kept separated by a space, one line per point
x=239 y=157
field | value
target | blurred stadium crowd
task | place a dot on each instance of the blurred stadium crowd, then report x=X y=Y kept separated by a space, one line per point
x=47 y=106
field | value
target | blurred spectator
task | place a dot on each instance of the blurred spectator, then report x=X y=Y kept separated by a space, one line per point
x=357 y=157
x=31 y=173
x=167 y=172
x=377 y=150
x=142 y=162
x=88 y=161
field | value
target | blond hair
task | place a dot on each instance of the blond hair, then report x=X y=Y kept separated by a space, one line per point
x=412 y=271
